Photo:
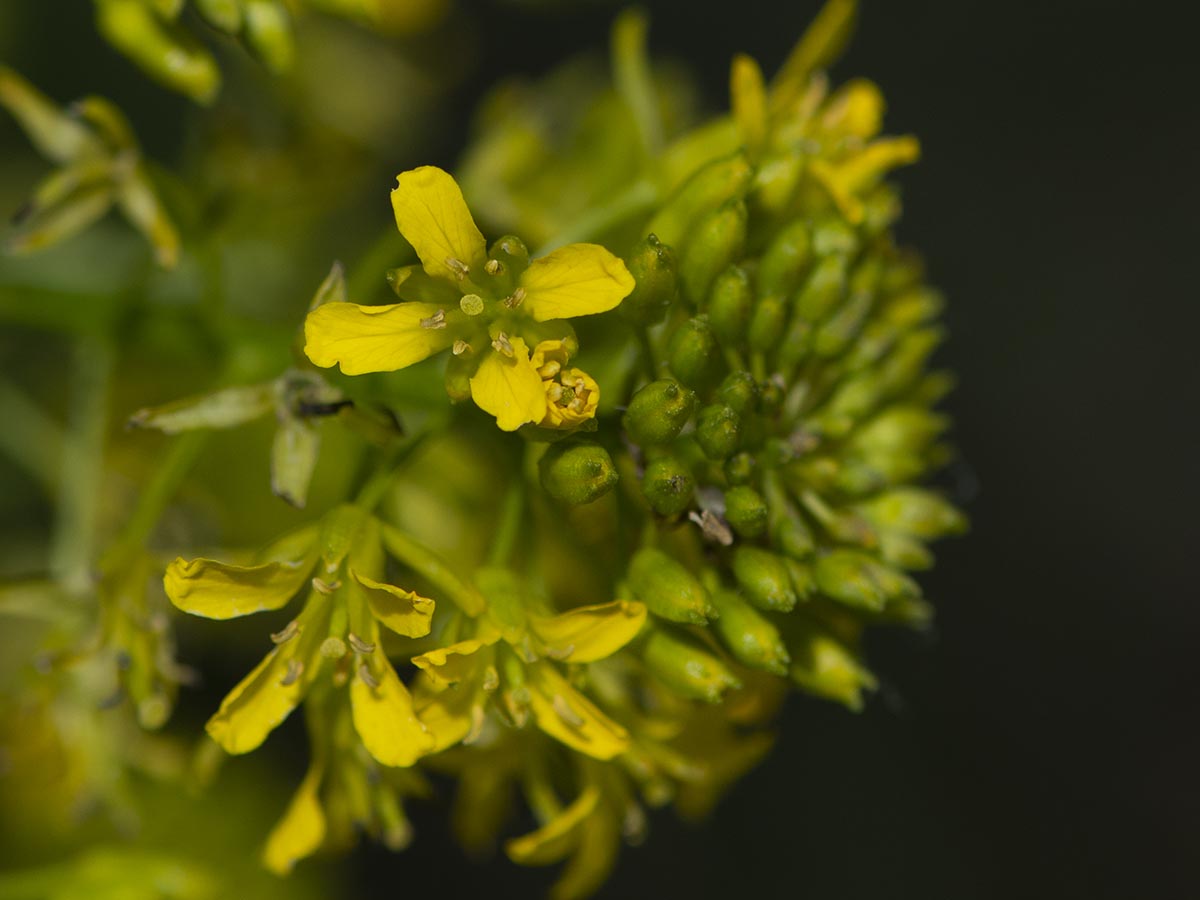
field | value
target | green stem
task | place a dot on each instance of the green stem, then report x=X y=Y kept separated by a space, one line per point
x=433 y=569
x=508 y=529
x=633 y=79
x=639 y=197
x=30 y=437
x=646 y=351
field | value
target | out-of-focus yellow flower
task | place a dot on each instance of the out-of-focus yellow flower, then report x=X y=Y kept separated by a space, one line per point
x=487 y=306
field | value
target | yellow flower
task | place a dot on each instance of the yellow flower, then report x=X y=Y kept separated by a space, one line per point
x=487 y=306
x=338 y=629
x=513 y=657
x=572 y=395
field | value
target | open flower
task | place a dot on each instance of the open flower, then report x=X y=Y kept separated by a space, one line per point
x=338 y=630
x=494 y=309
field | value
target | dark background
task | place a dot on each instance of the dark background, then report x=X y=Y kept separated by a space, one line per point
x=1041 y=742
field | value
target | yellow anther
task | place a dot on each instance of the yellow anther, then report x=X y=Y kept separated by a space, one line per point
x=501 y=345
x=321 y=586
x=359 y=645
x=460 y=269
x=460 y=347
x=493 y=267
x=289 y=631
x=437 y=320
x=515 y=299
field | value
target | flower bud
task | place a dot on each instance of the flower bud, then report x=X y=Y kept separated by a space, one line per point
x=686 y=666
x=268 y=31
x=668 y=589
x=668 y=485
x=858 y=580
x=767 y=323
x=764 y=578
x=658 y=412
x=577 y=472
x=739 y=391
x=223 y=14
x=693 y=354
x=750 y=636
x=717 y=241
x=730 y=304
x=739 y=468
x=718 y=429
x=746 y=511
x=165 y=53
x=913 y=511
x=709 y=187
x=825 y=666
x=652 y=265
x=785 y=259
x=508 y=257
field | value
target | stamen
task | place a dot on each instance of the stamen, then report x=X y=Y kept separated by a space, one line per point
x=367 y=678
x=566 y=713
x=359 y=645
x=560 y=653
x=502 y=345
x=476 y=728
x=437 y=320
x=460 y=347
x=554 y=393
x=471 y=304
x=295 y=669
x=460 y=269
x=493 y=267
x=290 y=630
x=491 y=679
x=515 y=299
x=321 y=586
x=550 y=369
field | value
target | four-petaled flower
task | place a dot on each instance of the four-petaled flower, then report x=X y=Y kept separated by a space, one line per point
x=498 y=312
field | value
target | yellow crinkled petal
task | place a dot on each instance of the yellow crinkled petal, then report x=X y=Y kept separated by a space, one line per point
x=589 y=633
x=567 y=715
x=261 y=700
x=404 y=612
x=448 y=714
x=214 y=590
x=556 y=838
x=384 y=716
x=375 y=338
x=509 y=388
x=301 y=830
x=433 y=216
x=576 y=280
x=456 y=663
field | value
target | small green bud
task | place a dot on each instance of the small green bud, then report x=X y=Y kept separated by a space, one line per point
x=223 y=14
x=764 y=578
x=709 y=187
x=459 y=369
x=693 y=354
x=268 y=31
x=785 y=259
x=791 y=536
x=686 y=666
x=658 y=412
x=835 y=334
x=825 y=666
x=823 y=290
x=163 y=50
x=750 y=636
x=668 y=589
x=652 y=265
x=718 y=429
x=739 y=391
x=860 y=581
x=716 y=242
x=746 y=511
x=577 y=472
x=804 y=581
x=739 y=468
x=668 y=485
x=914 y=511
x=730 y=304
x=767 y=323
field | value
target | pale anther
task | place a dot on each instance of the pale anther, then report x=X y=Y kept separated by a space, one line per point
x=460 y=269
x=565 y=712
x=359 y=645
x=491 y=679
x=712 y=527
x=321 y=586
x=290 y=630
x=460 y=347
x=294 y=670
x=437 y=320
x=493 y=267
x=367 y=678
x=513 y=300
x=502 y=345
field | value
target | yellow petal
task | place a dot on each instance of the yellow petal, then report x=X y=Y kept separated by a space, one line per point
x=558 y=837
x=384 y=716
x=589 y=633
x=456 y=663
x=567 y=715
x=448 y=714
x=595 y=855
x=301 y=830
x=433 y=217
x=214 y=590
x=509 y=387
x=576 y=280
x=258 y=704
x=375 y=338
x=402 y=611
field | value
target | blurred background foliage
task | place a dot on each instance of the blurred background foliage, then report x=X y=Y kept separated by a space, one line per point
x=1040 y=745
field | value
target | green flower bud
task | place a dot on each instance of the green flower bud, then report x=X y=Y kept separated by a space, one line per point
x=823 y=665
x=834 y=335
x=804 y=581
x=577 y=472
x=860 y=581
x=717 y=241
x=914 y=511
x=785 y=259
x=746 y=511
x=268 y=31
x=764 y=578
x=693 y=354
x=739 y=468
x=658 y=412
x=750 y=636
x=164 y=51
x=709 y=187
x=223 y=14
x=668 y=485
x=767 y=323
x=739 y=391
x=718 y=429
x=730 y=304
x=791 y=536
x=652 y=265
x=668 y=589
x=686 y=666
x=508 y=257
